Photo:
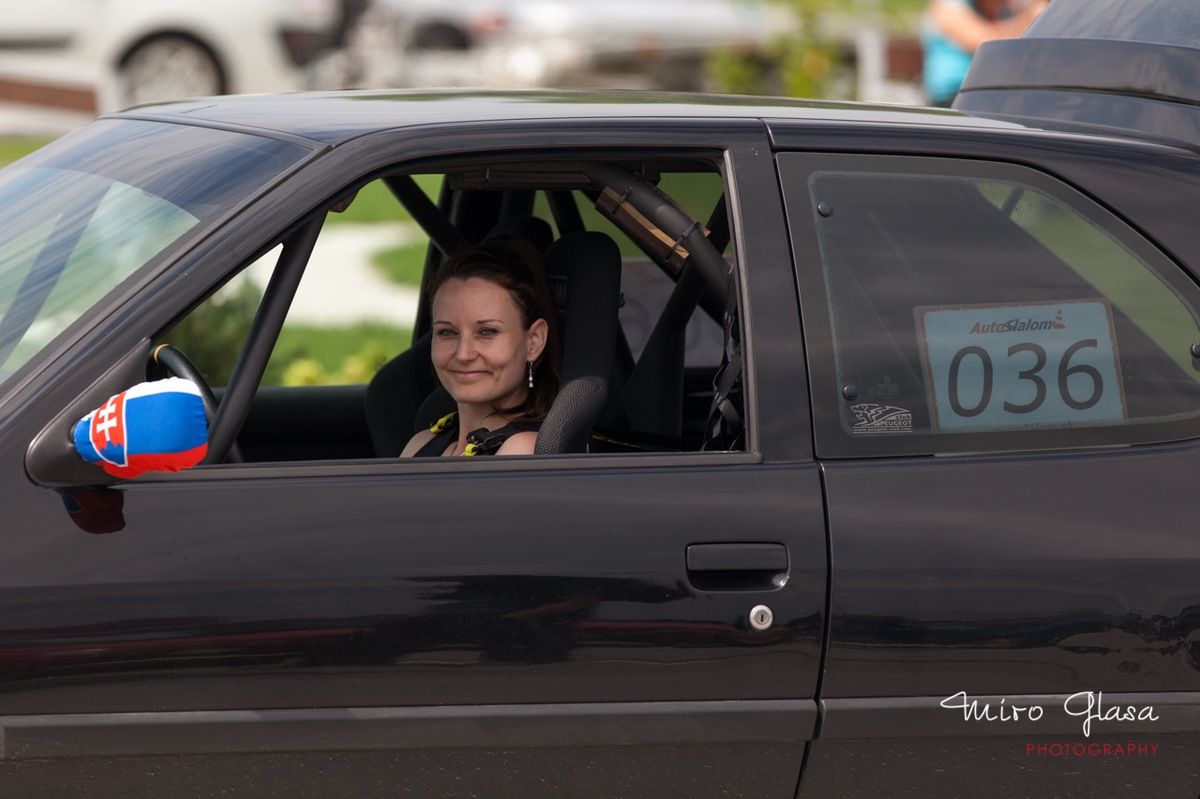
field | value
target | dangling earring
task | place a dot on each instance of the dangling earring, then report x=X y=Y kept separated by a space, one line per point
x=529 y=364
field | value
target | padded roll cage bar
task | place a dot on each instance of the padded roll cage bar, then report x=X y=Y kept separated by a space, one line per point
x=633 y=190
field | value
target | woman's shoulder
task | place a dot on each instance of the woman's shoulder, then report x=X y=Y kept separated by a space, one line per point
x=416 y=442
x=520 y=443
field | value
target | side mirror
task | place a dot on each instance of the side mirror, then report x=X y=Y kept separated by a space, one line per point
x=156 y=426
x=108 y=434
x=51 y=459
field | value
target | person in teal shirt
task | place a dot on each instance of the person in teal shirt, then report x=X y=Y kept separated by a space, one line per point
x=953 y=29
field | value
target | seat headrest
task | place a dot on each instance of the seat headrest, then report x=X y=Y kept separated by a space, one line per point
x=587 y=267
x=535 y=230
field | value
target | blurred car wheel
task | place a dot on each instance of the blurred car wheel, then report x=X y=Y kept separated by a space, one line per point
x=166 y=68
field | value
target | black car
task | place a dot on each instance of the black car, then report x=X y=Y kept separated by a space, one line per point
x=877 y=483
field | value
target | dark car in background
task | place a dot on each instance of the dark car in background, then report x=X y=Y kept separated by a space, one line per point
x=922 y=523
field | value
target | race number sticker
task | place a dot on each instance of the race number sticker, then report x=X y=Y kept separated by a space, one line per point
x=1032 y=365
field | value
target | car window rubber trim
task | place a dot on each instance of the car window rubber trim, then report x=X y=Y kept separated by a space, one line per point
x=249 y=130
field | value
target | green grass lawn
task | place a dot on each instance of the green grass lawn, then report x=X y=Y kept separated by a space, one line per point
x=904 y=7
x=403 y=265
x=375 y=202
x=14 y=147
x=343 y=355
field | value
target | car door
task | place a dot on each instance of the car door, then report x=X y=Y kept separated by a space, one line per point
x=564 y=625
x=1005 y=390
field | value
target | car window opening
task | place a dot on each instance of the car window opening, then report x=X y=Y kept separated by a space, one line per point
x=673 y=375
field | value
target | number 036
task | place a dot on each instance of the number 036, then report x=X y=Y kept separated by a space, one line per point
x=1033 y=375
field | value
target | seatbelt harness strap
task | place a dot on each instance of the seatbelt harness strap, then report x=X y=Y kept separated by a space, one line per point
x=725 y=427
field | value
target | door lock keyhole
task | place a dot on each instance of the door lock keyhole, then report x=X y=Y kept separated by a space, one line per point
x=761 y=617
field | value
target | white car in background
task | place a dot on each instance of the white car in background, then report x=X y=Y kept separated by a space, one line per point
x=139 y=51
x=540 y=41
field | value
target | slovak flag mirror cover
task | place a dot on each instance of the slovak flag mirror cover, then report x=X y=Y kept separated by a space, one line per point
x=157 y=426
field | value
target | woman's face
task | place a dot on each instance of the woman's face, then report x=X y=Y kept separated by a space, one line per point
x=480 y=346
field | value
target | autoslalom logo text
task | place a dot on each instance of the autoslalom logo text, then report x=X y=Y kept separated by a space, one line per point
x=1019 y=325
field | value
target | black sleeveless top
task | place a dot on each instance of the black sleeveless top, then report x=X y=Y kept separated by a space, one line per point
x=479 y=442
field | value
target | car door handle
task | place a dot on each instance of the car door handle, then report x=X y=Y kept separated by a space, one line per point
x=737 y=567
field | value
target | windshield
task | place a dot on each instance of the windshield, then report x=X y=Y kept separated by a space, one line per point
x=81 y=216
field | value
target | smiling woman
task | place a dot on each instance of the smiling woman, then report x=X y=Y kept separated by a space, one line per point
x=493 y=351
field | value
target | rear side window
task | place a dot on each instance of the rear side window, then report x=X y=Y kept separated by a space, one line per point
x=979 y=307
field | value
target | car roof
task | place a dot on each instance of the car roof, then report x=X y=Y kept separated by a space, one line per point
x=335 y=117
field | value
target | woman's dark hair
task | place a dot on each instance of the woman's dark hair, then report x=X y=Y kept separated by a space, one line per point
x=516 y=266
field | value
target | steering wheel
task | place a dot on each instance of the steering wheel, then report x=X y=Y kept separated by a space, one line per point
x=180 y=365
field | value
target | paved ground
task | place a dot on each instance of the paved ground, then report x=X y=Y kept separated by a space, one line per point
x=32 y=120
x=340 y=286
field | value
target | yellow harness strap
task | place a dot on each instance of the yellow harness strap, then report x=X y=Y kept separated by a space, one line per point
x=443 y=423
